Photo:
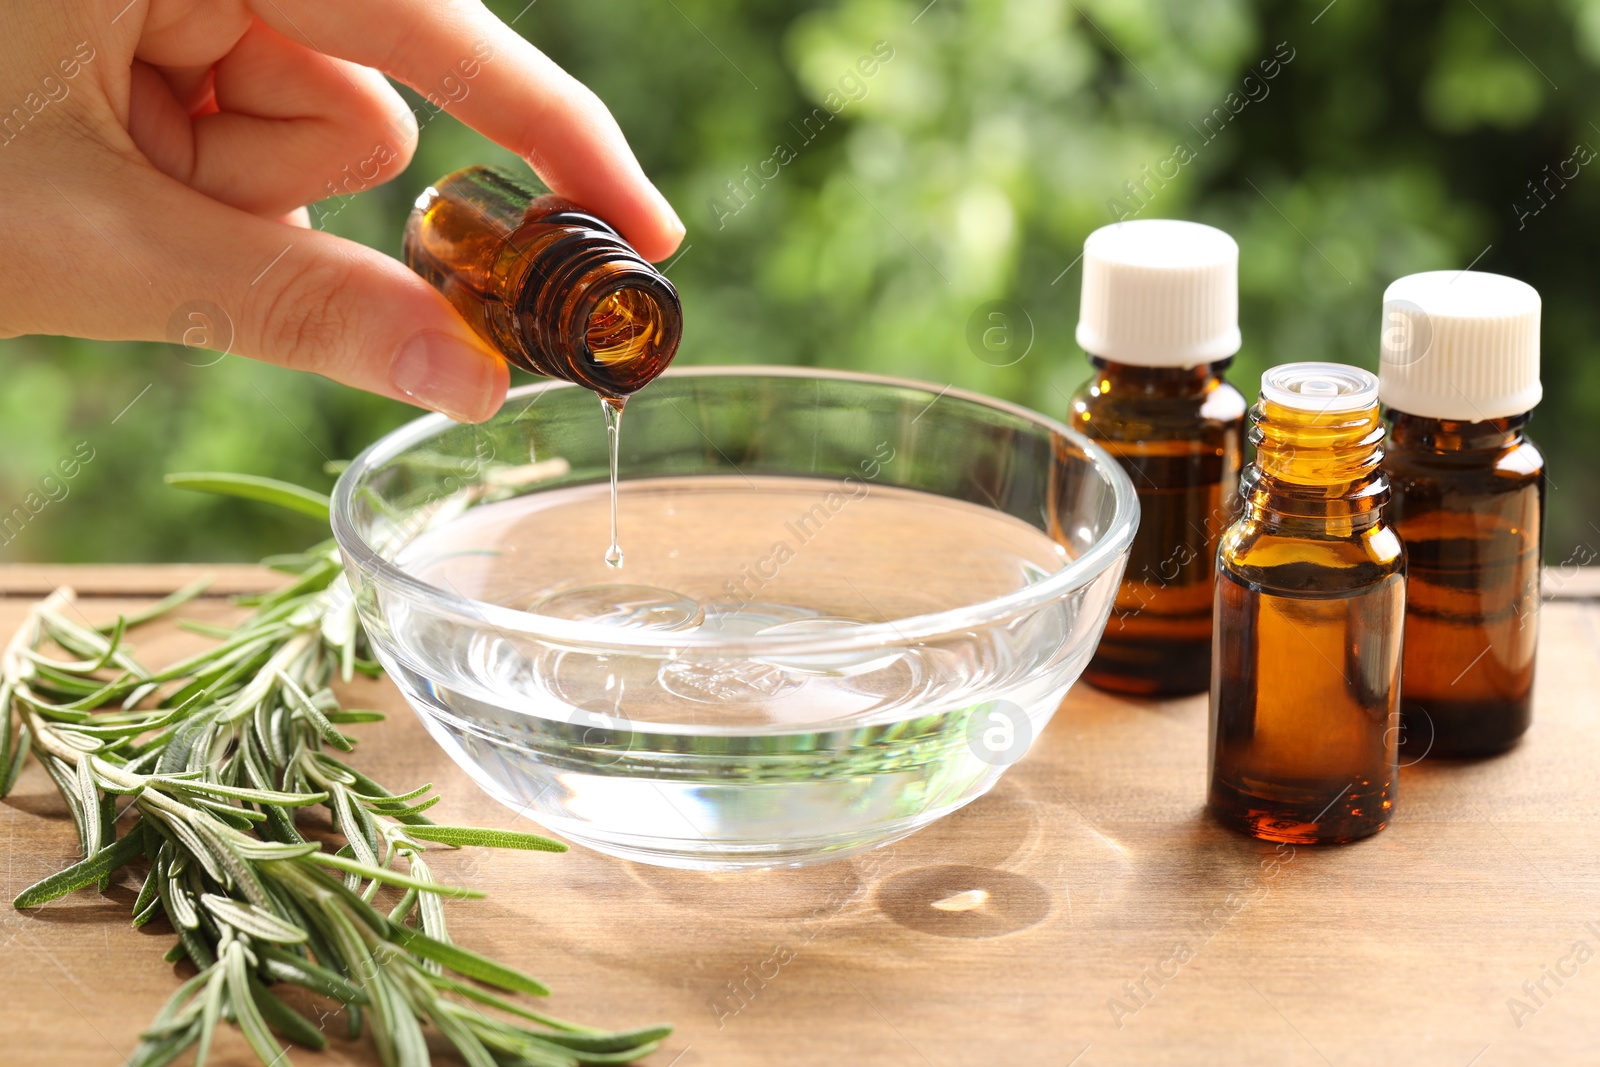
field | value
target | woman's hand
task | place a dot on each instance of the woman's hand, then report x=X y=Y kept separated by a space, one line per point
x=159 y=155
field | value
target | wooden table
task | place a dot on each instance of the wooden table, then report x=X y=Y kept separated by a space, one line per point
x=1120 y=925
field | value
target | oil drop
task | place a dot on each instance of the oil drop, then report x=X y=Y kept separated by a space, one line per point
x=612 y=408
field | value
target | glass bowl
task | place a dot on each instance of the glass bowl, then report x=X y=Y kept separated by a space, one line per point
x=848 y=603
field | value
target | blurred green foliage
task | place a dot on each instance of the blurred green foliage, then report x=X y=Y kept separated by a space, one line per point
x=968 y=167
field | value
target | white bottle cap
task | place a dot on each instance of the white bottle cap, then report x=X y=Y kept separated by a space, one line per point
x=1460 y=345
x=1331 y=388
x=1160 y=293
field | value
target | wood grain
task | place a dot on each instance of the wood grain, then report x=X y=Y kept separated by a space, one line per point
x=1101 y=875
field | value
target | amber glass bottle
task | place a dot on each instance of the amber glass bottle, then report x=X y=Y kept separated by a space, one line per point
x=1159 y=318
x=1310 y=601
x=1178 y=432
x=1460 y=373
x=553 y=288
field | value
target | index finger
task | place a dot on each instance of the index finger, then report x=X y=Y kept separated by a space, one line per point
x=518 y=97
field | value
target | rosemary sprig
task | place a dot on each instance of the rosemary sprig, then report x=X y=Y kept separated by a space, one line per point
x=213 y=757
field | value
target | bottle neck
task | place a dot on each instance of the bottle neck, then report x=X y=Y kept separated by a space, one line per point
x=593 y=310
x=1452 y=439
x=1314 y=471
x=1131 y=379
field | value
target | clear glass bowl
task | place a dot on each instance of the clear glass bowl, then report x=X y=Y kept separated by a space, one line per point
x=862 y=599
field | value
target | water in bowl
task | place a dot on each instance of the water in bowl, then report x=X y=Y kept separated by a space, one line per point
x=737 y=760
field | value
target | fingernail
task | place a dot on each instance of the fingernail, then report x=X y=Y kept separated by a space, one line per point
x=442 y=373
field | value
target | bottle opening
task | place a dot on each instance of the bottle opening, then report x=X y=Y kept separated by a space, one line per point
x=624 y=326
x=1320 y=387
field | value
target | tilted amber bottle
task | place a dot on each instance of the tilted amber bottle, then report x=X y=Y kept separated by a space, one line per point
x=553 y=288
x=1310 y=602
x=1159 y=319
x=1460 y=373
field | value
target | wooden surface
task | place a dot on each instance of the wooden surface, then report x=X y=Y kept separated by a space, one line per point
x=1100 y=871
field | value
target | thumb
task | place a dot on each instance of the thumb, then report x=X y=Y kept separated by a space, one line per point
x=315 y=302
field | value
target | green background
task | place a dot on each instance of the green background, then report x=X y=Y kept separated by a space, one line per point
x=1400 y=137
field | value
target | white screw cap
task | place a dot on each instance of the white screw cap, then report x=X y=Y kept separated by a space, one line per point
x=1460 y=345
x=1160 y=293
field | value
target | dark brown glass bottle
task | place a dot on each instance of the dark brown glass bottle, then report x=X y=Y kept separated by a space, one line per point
x=1159 y=318
x=1178 y=432
x=553 y=288
x=1310 y=601
x=1460 y=373
x=1469 y=505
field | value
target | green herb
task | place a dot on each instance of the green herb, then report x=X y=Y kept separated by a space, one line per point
x=202 y=767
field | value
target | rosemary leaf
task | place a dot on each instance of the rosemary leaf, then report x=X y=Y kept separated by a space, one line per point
x=319 y=722
x=113 y=644
x=17 y=758
x=160 y=607
x=253 y=796
x=211 y=1011
x=393 y=798
x=473 y=835
x=430 y=911
x=251 y=487
x=470 y=964
x=85 y=872
x=161 y=1052
x=280 y=966
x=284 y=1019
x=404 y=814
x=89 y=804
x=252 y=920
x=353 y=716
x=245 y=1013
x=388 y=877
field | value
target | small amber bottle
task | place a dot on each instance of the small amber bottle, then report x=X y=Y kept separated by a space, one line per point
x=1459 y=375
x=1305 y=687
x=1159 y=320
x=553 y=288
